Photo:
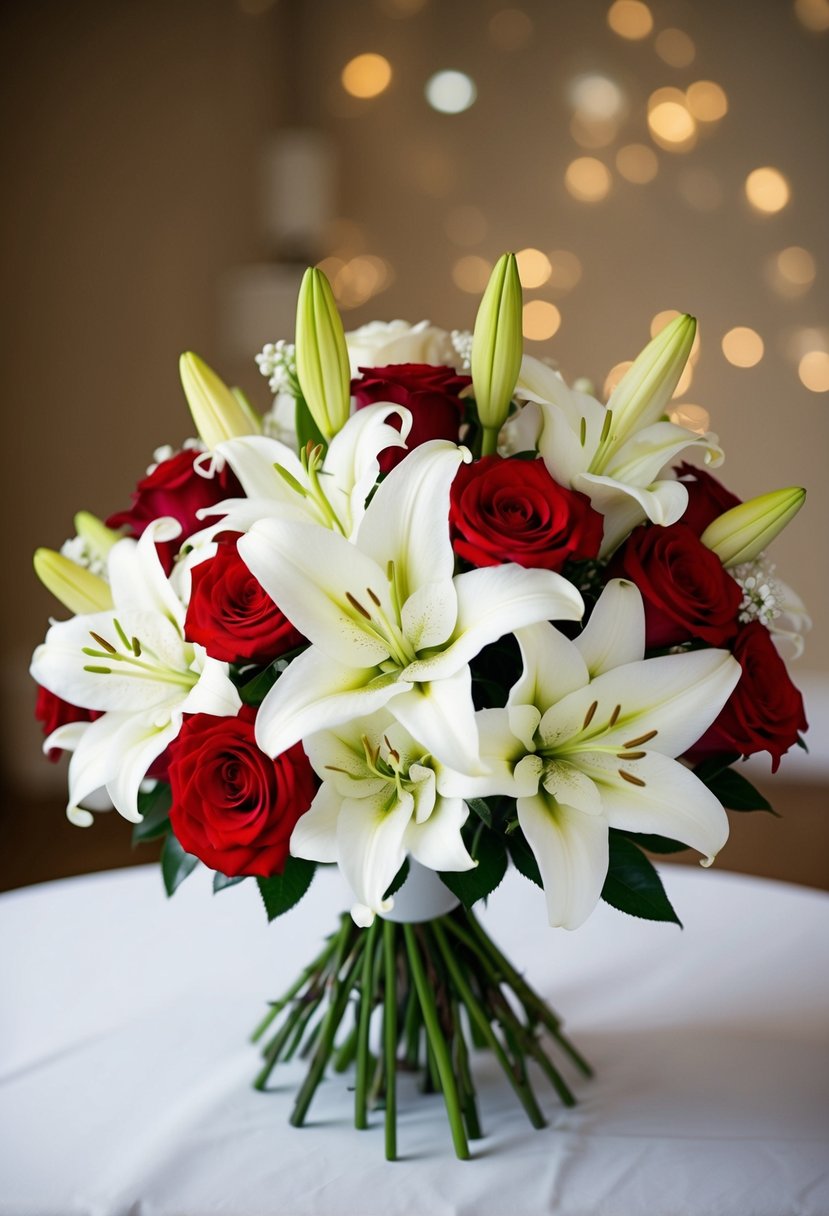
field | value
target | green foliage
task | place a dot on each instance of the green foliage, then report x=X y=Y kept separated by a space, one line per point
x=633 y=885
x=655 y=844
x=489 y=850
x=731 y=788
x=175 y=864
x=523 y=857
x=222 y=881
x=398 y=880
x=154 y=805
x=307 y=430
x=281 y=892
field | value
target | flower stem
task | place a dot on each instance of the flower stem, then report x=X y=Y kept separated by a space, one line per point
x=438 y=1043
x=489 y=441
x=390 y=1038
x=363 y=1061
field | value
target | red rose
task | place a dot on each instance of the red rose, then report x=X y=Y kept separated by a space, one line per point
x=176 y=489
x=431 y=393
x=231 y=614
x=232 y=806
x=52 y=711
x=707 y=498
x=764 y=712
x=513 y=511
x=686 y=592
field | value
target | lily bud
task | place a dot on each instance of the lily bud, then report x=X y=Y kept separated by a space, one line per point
x=217 y=412
x=77 y=588
x=322 y=365
x=97 y=537
x=497 y=347
x=741 y=534
x=641 y=396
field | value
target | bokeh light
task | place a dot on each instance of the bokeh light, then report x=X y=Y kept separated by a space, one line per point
x=450 y=92
x=791 y=272
x=540 y=320
x=693 y=417
x=587 y=179
x=366 y=75
x=707 y=101
x=767 y=190
x=360 y=278
x=566 y=270
x=637 y=163
x=630 y=19
x=510 y=29
x=675 y=47
x=534 y=268
x=813 y=14
x=742 y=346
x=813 y=370
x=471 y=273
x=593 y=132
x=615 y=376
x=670 y=122
x=596 y=96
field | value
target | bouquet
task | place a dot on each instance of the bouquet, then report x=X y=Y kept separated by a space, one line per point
x=436 y=613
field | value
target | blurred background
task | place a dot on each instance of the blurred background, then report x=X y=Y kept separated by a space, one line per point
x=172 y=168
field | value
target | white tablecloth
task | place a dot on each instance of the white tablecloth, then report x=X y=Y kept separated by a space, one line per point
x=125 y=1072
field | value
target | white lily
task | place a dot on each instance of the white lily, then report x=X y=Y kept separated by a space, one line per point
x=330 y=490
x=380 y=801
x=614 y=454
x=386 y=617
x=587 y=742
x=132 y=664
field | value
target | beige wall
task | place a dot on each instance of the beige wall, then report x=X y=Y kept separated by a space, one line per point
x=132 y=187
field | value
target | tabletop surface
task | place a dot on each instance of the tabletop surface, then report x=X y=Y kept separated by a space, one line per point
x=125 y=1071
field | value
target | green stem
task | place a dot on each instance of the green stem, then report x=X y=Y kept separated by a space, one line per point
x=489 y=440
x=346 y=1052
x=467 y=1086
x=444 y=1063
x=366 y=1000
x=476 y=1013
x=277 y=1006
x=411 y=1030
x=390 y=1039
x=338 y=999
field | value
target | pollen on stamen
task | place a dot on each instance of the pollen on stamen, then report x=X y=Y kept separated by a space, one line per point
x=588 y=717
x=102 y=642
x=608 y=419
x=651 y=734
x=583 y=432
x=355 y=603
x=629 y=777
x=614 y=716
x=375 y=599
x=630 y=755
x=136 y=648
x=391 y=750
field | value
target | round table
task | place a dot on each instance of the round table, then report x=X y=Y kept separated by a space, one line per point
x=125 y=1069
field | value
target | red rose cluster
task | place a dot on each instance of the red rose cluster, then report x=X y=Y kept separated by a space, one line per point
x=232 y=806
x=231 y=614
x=176 y=489
x=689 y=597
x=513 y=511
x=431 y=393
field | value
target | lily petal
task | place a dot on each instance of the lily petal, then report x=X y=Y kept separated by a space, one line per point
x=553 y=666
x=615 y=633
x=441 y=715
x=310 y=572
x=351 y=463
x=370 y=845
x=572 y=853
x=437 y=841
x=406 y=521
x=315 y=835
x=315 y=693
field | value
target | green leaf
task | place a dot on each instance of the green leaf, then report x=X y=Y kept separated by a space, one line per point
x=154 y=805
x=523 y=857
x=736 y=793
x=256 y=689
x=398 y=880
x=175 y=864
x=282 y=891
x=633 y=885
x=481 y=809
x=655 y=844
x=706 y=770
x=222 y=881
x=490 y=853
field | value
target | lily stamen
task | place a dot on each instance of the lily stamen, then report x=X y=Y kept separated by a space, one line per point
x=651 y=734
x=629 y=777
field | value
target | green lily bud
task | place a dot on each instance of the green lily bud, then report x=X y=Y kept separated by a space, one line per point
x=497 y=348
x=322 y=365
x=741 y=534
x=217 y=412
x=642 y=395
x=77 y=588
x=96 y=535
